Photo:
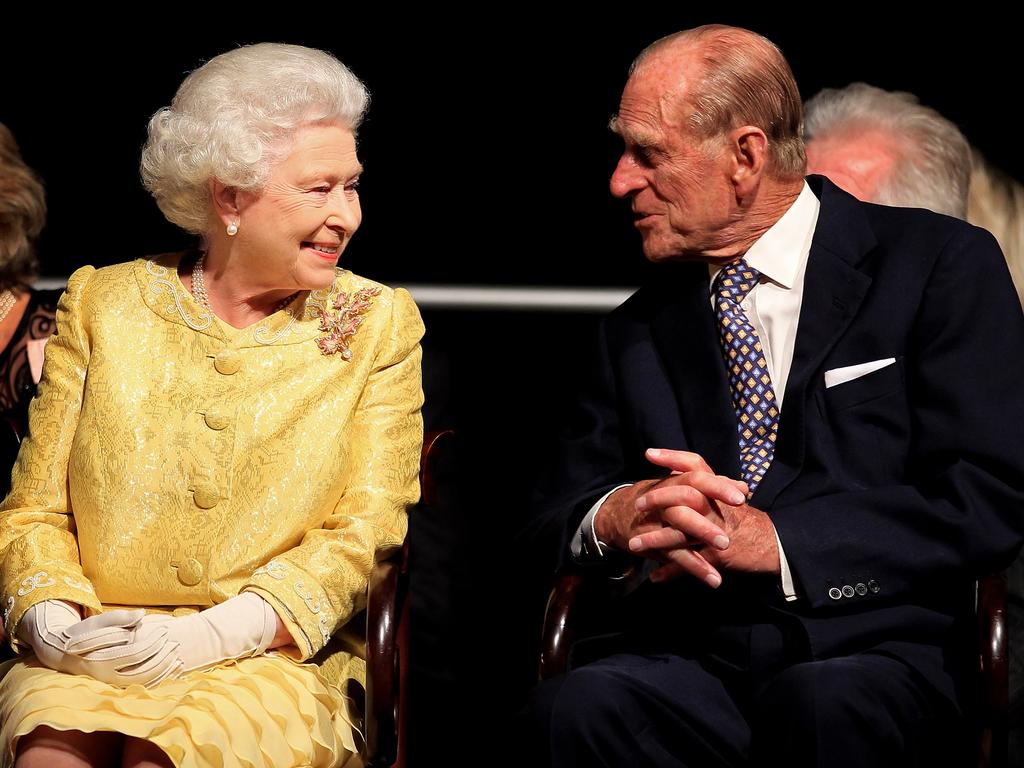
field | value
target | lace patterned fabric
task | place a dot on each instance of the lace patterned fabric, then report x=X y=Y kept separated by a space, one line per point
x=16 y=383
x=173 y=463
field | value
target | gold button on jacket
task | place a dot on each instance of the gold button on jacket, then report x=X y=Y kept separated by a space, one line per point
x=310 y=483
x=190 y=572
x=206 y=497
x=227 y=361
x=216 y=420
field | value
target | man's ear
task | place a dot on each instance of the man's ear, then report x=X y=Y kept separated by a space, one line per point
x=749 y=147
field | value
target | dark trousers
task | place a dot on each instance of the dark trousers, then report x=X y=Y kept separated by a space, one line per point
x=865 y=710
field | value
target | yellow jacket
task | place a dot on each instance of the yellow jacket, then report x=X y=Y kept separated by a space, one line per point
x=174 y=461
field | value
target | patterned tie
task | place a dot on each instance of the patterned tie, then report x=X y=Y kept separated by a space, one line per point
x=753 y=396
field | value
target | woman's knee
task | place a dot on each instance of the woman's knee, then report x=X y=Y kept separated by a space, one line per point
x=139 y=753
x=47 y=747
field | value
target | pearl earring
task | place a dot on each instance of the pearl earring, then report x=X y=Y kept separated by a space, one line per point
x=232 y=229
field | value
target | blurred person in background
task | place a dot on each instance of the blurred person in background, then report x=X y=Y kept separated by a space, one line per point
x=886 y=147
x=26 y=315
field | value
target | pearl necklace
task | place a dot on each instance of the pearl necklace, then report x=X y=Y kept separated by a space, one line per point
x=199 y=289
x=7 y=301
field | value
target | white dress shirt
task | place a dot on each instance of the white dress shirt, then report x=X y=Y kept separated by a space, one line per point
x=773 y=308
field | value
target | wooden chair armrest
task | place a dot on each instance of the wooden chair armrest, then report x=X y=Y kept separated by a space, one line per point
x=577 y=595
x=385 y=652
x=994 y=659
x=387 y=626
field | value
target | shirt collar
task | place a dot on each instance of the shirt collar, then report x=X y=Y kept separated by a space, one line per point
x=780 y=251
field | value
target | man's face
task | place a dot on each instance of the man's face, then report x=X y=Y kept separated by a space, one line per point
x=857 y=162
x=678 y=184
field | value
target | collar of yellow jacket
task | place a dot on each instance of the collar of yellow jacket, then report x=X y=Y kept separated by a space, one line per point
x=164 y=293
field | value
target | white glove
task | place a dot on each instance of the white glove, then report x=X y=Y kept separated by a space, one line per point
x=42 y=627
x=243 y=626
x=118 y=656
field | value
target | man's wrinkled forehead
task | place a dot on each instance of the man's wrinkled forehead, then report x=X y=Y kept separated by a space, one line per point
x=653 y=101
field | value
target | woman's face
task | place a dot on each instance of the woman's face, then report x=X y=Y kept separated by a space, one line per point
x=295 y=228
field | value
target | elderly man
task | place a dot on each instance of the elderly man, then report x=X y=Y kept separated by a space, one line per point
x=802 y=425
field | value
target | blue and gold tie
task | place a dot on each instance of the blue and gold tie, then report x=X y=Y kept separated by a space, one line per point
x=753 y=396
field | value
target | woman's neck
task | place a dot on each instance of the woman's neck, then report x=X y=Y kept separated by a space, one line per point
x=232 y=294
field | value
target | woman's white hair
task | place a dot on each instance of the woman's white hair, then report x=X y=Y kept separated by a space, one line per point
x=234 y=117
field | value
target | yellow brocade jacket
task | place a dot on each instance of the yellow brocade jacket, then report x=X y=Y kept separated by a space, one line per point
x=174 y=461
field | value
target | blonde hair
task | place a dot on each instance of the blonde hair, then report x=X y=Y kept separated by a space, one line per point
x=22 y=215
x=996 y=202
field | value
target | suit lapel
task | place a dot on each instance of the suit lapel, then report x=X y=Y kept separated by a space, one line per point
x=687 y=341
x=833 y=291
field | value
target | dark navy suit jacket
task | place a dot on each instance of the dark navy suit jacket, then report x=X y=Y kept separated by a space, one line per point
x=903 y=486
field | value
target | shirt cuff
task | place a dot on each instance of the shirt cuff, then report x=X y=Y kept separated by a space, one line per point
x=788 y=588
x=585 y=546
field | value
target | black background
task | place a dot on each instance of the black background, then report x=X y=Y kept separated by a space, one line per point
x=486 y=149
x=487 y=159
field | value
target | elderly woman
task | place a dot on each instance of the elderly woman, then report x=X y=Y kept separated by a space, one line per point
x=222 y=442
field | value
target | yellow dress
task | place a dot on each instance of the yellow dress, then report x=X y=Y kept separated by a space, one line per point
x=174 y=462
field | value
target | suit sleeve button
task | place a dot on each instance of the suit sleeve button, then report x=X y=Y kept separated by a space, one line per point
x=835 y=593
x=873 y=587
x=848 y=591
x=861 y=589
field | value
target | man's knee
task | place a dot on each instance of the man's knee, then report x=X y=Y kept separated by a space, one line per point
x=805 y=695
x=659 y=711
x=586 y=706
x=852 y=709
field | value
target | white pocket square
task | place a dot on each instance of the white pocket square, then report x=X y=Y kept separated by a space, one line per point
x=850 y=372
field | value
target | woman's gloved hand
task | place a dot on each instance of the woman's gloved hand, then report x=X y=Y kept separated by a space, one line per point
x=240 y=627
x=117 y=653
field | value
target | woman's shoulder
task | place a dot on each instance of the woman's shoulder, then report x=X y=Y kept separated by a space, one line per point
x=115 y=282
x=385 y=304
x=387 y=313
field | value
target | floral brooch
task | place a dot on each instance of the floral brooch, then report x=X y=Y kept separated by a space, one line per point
x=340 y=323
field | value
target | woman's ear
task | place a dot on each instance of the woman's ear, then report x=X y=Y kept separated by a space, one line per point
x=225 y=202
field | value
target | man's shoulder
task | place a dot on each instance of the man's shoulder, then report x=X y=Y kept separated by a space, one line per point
x=914 y=229
x=922 y=241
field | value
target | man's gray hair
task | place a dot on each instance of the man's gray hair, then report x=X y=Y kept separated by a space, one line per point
x=744 y=80
x=933 y=159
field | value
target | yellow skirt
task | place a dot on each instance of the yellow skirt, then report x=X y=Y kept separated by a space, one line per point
x=264 y=711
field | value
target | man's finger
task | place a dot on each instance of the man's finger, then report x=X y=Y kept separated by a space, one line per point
x=719 y=487
x=692 y=489
x=663 y=538
x=680 y=562
x=697 y=528
x=683 y=461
